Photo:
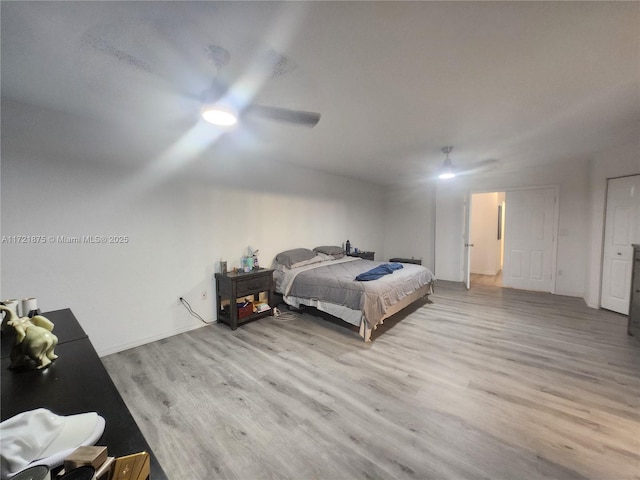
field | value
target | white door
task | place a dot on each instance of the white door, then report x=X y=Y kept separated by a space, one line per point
x=529 y=239
x=467 y=239
x=622 y=228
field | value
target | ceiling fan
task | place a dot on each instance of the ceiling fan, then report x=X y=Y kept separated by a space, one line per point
x=219 y=103
x=449 y=171
x=218 y=106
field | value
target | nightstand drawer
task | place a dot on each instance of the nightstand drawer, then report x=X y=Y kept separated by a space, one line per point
x=252 y=285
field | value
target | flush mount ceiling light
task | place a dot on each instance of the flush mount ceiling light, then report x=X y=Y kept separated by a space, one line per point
x=447 y=171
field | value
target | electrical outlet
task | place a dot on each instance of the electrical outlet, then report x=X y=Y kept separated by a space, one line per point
x=203 y=296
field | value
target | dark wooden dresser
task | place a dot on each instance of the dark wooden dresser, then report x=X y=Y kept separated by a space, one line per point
x=76 y=382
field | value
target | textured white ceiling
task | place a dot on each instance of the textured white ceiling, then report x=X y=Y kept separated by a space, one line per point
x=523 y=83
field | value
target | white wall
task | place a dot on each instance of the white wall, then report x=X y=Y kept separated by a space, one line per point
x=125 y=294
x=572 y=177
x=485 y=254
x=408 y=226
x=617 y=162
x=449 y=232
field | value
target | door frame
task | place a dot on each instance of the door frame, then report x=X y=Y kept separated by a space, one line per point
x=466 y=239
x=604 y=232
x=556 y=220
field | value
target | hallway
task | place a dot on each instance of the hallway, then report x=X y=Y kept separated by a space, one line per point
x=490 y=280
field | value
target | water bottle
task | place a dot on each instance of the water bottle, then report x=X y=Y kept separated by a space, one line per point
x=348 y=247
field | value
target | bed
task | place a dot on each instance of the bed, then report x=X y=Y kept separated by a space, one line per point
x=324 y=278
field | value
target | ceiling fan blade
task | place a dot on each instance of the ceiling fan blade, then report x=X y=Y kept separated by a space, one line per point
x=481 y=166
x=299 y=117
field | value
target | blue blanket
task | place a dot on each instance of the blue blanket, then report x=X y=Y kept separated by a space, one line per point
x=378 y=272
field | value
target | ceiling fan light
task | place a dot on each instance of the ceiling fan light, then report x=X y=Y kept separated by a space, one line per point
x=219 y=115
x=447 y=172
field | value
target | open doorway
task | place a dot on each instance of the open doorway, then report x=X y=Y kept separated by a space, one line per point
x=486 y=234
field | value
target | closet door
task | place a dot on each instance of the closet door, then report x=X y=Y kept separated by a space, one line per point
x=622 y=228
x=529 y=239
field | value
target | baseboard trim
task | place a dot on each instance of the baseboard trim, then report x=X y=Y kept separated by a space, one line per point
x=152 y=338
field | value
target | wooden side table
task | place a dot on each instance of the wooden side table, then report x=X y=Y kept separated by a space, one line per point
x=233 y=285
x=363 y=255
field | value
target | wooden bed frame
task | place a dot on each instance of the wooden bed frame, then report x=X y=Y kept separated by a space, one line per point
x=365 y=331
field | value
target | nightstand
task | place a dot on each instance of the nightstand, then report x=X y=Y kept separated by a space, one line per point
x=233 y=285
x=363 y=255
x=415 y=261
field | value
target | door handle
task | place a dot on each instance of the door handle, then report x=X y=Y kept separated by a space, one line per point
x=468 y=245
x=619 y=253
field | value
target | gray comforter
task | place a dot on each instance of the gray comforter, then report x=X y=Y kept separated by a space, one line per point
x=334 y=282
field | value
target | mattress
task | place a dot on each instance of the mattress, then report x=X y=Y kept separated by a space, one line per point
x=333 y=283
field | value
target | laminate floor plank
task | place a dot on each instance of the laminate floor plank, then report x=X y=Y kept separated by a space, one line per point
x=489 y=383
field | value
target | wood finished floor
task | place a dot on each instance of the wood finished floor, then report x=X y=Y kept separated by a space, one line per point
x=492 y=280
x=489 y=383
